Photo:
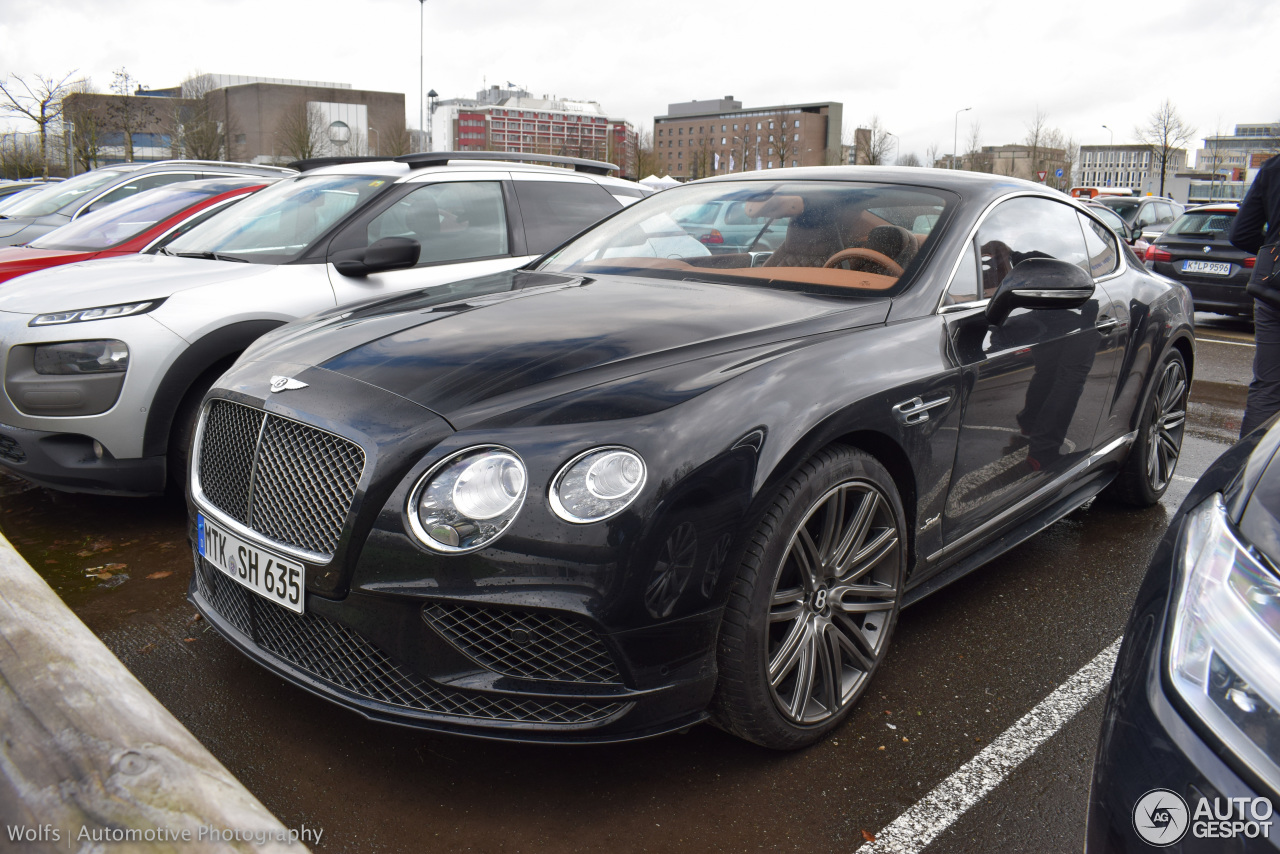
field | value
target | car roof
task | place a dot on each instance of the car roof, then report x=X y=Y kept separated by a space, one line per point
x=968 y=184
x=399 y=169
x=1214 y=207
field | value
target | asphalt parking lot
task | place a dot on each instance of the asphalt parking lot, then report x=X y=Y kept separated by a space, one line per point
x=966 y=665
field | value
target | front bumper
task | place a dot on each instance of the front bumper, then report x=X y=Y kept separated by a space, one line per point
x=337 y=650
x=68 y=462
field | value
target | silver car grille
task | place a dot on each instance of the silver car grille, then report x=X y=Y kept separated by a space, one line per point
x=288 y=481
x=340 y=656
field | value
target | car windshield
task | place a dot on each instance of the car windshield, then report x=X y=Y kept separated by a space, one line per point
x=841 y=237
x=15 y=199
x=55 y=197
x=119 y=222
x=1110 y=217
x=1127 y=208
x=1213 y=225
x=277 y=224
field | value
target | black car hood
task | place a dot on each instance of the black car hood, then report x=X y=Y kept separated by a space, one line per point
x=1256 y=496
x=526 y=336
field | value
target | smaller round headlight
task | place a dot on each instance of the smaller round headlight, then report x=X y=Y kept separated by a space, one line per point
x=596 y=485
x=467 y=500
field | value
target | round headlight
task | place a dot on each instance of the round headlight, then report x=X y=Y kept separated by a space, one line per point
x=596 y=485
x=467 y=500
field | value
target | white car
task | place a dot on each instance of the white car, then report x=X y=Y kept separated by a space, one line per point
x=105 y=362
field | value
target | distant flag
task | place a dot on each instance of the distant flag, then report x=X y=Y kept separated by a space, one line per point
x=759 y=165
x=730 y=161
x=717 y=161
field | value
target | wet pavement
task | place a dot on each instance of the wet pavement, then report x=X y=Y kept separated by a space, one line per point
x=965 y=664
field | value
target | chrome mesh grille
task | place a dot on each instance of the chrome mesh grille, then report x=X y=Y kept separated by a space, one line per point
x=528 y=644
x=340 y=656
x=288 y=481
x=10 y=450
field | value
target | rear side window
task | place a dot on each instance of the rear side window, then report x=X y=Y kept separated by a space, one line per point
x=1027 y=228
x=143 y=182
x=1100 y=242
x=554 y=211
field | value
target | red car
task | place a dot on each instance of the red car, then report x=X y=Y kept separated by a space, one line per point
x=142 y=223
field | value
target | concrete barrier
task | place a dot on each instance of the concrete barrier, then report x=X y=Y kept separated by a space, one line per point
x=89 y=759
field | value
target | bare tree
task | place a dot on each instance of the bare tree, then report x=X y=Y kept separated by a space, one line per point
x=646 y=155
x=1037 y=129
x=38 y=98
x=975 y=159
x=20 y=155
x=1165 y=132
x=909 y=159
x=1066 y=152
x=84 y=121
x=301 y=132
x=877 y=143
x=931 y=154
x=192 y=121
x=397 y=142
x=129 y=112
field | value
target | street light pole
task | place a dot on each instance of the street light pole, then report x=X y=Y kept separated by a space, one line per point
x=422 y=5
x=955 y=135
x=897 y=146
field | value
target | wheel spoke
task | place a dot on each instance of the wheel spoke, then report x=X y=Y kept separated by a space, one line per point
x=808 y=559
x=804 y=678
x=871 y=554
x=832 y=527
x=828 y=666
x=789 y=652
x=786 y=604
x=859 y=527
x=857 y=645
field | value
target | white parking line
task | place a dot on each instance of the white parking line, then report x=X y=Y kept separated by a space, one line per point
x=1220 y=341
x=912 y=831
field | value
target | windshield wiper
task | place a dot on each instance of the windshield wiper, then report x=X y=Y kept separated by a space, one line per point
x=208 y=256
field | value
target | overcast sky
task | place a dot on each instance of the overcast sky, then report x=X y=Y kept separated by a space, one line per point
x=1085 y=63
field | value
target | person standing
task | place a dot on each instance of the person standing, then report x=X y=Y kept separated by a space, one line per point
x=1256 y=230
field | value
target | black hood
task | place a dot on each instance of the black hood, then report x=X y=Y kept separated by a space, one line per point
x=534 y=335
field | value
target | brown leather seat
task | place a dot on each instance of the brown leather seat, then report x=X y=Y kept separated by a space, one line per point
x=812 y=238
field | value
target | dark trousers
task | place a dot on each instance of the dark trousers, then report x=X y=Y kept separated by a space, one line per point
x=1264 y=391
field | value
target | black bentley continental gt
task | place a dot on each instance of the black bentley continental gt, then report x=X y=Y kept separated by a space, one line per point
x=638 y=485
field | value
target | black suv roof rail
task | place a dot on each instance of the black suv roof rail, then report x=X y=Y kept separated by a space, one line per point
x=440 y=158
x=318 y=162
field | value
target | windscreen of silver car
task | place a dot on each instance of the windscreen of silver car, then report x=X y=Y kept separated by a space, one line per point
x=68 y=378
x=1226 y=639
x=467 y=500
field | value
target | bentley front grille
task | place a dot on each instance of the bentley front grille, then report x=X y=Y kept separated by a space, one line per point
x=528 y=644
x=340 y=656
x=289 y=481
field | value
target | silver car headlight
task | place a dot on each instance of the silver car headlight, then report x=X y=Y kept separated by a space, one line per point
x=467 y=500
x=596 y=485
x=102 y=312
x=1226 y=639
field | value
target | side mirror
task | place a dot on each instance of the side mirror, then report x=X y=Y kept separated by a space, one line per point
x=1040 y=283
x=389 y=253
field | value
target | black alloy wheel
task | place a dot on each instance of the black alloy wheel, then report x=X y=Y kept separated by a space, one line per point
x=1154 y=456
x=815 y=602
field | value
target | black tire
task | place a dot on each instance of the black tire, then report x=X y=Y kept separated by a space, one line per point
x=183 y=432
x=799 y=644
x=1149 y=467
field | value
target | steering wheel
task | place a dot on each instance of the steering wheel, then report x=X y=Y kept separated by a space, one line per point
x=866 y=258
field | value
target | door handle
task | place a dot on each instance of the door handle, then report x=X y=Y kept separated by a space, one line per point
x=916 y=411
x=1106 y=324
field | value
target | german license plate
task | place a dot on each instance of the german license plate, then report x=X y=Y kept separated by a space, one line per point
x=270 y=576
x=1211 y=268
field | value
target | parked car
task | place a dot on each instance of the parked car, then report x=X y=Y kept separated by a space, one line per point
x=1128 y=234
x=1147 y=215
x=623 y=490
x=725 y=228
x=58 y=204
x=1190 y=745
x=21 y=191
x=107 y=361
x=8 y=188
x=1195 y=251
x=141 y=223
